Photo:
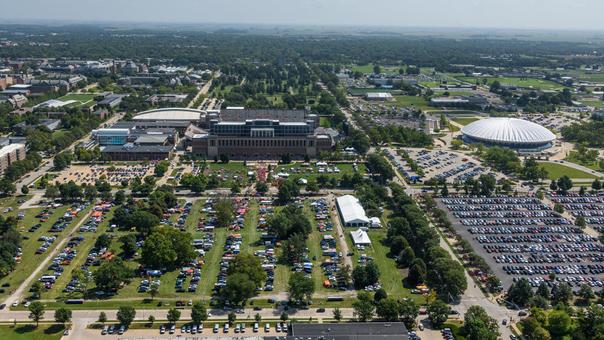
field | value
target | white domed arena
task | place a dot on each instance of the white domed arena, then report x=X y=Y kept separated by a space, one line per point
x=509 y=132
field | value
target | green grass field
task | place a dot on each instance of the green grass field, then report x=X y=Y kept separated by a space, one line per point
x=556 y=171
x=412 y=101
x=311 y=173
x=465 y=120
x=31 y=332
x=540 y=84
x=83 y=99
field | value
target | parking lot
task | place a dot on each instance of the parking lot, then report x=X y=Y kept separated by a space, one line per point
x=522 y=237
x=452 y=167
x=591 y=207
x=114 y=175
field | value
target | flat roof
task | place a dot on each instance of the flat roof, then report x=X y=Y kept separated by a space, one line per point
x=130 y=148
x=10 y=148
x=351 y=330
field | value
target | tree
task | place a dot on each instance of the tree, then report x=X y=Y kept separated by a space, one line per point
x=225 y=212
x=580 y=222
x=553 y=186
x=129 y=246
x=366 y=275
x=231 y=318
x=36 y=311
x=478 y=325
x=561 y=293
x=36 y=289
x=249 y=265
x=301 y=288
x=199 y=312
x=62 y=315
x=590 y=323
x=596 y=185
x=284 y=317
x=559 y=208
x=125 y=315
x=377 y=69
x=447 y=277
x=388 y=310
x=238 y=289
x=103 y=241
x=173 y=315
x=564 y=184
x=151 y=320
x=417 y=272
x=520 y=292
x=288 y=190
x=235 y=188
x=111 y=275
x=337 y=314
x=532 y=330
x=380 y=295
x=586 y=293
x=558 y=323
x=161 y=168
x=543 y=291
x=153 y=290
x=312 y=186
x=143 y=221
x=377 y=164
x=167 y=247
x=261 y=187
x=102 y=317
x=120 y=197
x=408 y=311
x=363 y=307
x=24 y=190
x=438 y=313
x=258 y=317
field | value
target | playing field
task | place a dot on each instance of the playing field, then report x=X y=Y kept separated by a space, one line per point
x=82 y=99
x=540 y=84
x=464 y=120
x=555 y=171
x=411 y=102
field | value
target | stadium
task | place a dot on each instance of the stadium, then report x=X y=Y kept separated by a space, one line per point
x=509 y=132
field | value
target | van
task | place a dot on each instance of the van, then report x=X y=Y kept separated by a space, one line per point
x=255 y=328
x=172 y=329
x=121 y=330
x=216 y=327
x=267 y=327
x=105 y=329
x=225 y=329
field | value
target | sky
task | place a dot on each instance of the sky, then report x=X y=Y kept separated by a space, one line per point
x=516 y=14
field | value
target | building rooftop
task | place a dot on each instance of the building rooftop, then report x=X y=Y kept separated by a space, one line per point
x=350 y=330
x=351 y=210
x=170 y=114
x=131 y=148
x=10 y=148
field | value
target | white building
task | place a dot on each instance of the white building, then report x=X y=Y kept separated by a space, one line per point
x=383 y=96
x=351 y=212
x=360 y=238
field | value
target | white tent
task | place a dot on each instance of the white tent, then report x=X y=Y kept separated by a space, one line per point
x=351 y=212
x=360 y=238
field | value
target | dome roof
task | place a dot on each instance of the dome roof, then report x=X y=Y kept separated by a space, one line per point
x=508 y=131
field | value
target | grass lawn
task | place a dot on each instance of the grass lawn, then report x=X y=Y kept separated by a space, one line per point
x=540 y=84
x=595 y=103
x=556 y=171
x=30 y=331
x=311 y=172
x=324 y=122
x=228 y=172
x=83 y=99
x=412 y=101
x=464 y=120
x=30 y=244
x=391 y=277
x=369 y=68
x=573 y=159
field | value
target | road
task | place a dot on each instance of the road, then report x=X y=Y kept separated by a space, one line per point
x=341 y=232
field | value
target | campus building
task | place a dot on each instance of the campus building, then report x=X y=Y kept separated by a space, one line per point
x=11 y=153
x=260 y=134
